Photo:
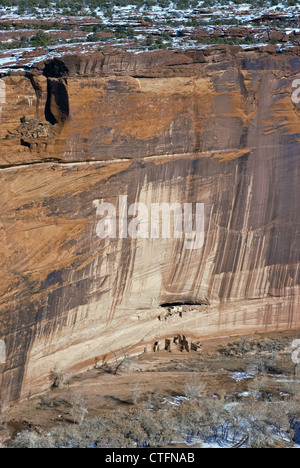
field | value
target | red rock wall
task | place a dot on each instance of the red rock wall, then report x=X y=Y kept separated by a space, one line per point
x=218 y=128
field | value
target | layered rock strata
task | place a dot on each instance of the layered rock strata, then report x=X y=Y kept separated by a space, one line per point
x=216 y=127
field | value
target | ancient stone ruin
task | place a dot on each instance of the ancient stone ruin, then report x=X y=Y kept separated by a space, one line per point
x=177 y=343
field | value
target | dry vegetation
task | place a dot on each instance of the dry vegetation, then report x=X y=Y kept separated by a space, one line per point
x=258 y=423
x=243 y=392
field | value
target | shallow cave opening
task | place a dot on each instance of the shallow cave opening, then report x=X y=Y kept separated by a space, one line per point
x=55 y=68
x=166 y=305
x=57 y=92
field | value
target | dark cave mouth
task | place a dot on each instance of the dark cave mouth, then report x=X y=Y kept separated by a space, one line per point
x=167 y=305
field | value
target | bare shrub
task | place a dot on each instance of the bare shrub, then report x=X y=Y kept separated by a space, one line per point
x=136 y=393
x=78 y=408
x=259 y=388
x=254 y=423
x=258 y=424
x=157 y=426
x=60 y=378
x=121 y=362
x=265 y=424
x=265 y=364
x=201 y=419
x=292 y=388
x=245 y=345
x=126 y=429
x=237 y=348
x=32 y=440
x=194 y=388
x=3 y=406
x=155 y=400
x=47 y=402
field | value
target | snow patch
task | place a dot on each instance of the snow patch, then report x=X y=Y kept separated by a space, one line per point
x=240 y=376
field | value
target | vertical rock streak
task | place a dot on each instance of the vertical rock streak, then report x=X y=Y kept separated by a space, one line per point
x=219 y=129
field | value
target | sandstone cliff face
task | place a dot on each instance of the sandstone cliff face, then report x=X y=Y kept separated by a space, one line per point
x=217 y=127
